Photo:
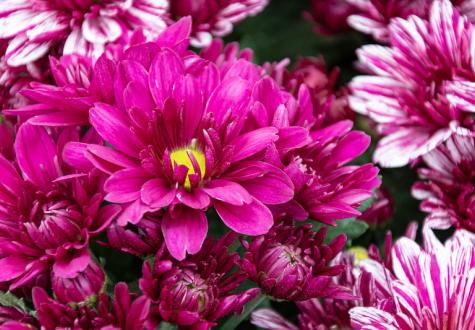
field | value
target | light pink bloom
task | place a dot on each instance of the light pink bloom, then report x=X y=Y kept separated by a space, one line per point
x=35 y=28
x=419 y=90
x=214 y=18
x=447 y=190
x=427 y=288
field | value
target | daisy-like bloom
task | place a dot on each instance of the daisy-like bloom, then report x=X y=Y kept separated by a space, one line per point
x=330 y=16
x=175 y=139
x=214 y=18
x=427 y=288
x=196 y=292
x=48 y=212
x=125 y=311
x=294 y=264
x=447 y=190
x=419 y=90
x=37 y=27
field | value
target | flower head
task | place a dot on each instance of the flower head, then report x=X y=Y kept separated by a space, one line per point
x=330 y=16
x=38 y=27
x=48 y=212
x=447 y=190
x=215 y=18
x=425 y=288
x=125 y=311
x=196 y=292
x=294 y=264
x=381 y=209
x=176 y=139
x=419 y=89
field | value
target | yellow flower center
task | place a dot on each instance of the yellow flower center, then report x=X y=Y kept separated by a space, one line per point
x=182 y=157
x=360 y=254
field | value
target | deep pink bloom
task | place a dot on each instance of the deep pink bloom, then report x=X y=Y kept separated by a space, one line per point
x=15 y=318
x=381 y=209
x=294 y=264
x=420 y=89
x=83 y=287
x=214 y=18
x=47 y=211
x=426 y=288
x=196 y=292
x=144 y=238
x=177 y=140
x=447 y=190
x=330 y=16
x=34 y=27
x=125 y=311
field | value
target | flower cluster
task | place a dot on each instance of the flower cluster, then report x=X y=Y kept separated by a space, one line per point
x=152 y=176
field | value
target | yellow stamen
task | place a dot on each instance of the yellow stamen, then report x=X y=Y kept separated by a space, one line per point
x=181 y=157
x=360 y=254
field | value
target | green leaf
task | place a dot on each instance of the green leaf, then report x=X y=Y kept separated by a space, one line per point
x=8 y=299
x=351 y=227
x=235 y=320
x=166 y=326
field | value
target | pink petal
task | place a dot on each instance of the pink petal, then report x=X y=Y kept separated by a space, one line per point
x=184 y=230
x=252 y=142
x=12 y=267
x=125 y=185
x=157 y=193
x=228 y=192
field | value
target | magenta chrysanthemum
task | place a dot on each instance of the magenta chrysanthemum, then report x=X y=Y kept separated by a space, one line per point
x=196 y=292
x=448 y=192
x=125 y=311
x=420 y=90
x=34 y=27
x=294 y=264
x=330 y=16
x=430 y=288
x=214 y=18
x=177 y=137
x=47 y=212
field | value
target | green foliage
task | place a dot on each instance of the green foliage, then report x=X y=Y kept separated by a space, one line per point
x=8 y=299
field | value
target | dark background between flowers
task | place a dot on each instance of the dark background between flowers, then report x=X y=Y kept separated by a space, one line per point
x=281 y=31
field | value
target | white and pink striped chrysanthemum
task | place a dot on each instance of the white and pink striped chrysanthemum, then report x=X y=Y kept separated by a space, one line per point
x=421 y=89
x=430 y=288
x=34 y=27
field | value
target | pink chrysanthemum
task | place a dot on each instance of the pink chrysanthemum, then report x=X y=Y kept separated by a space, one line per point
x=294 y=264
x=430 y=288
x=15 y=318
x=330 y=16
x=34 y=27
x=420 y=90
x=448 y=192
x=125 y=311
x=214 y=18
x=175 y=129
x=198 y=291
x=380 y=211
x=47 y=211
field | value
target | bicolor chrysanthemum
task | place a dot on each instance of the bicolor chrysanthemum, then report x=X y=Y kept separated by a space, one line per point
x=447 y=190
x=37 y=27
x=198 y=291
x=425 y=288
x=214 y=18
x=420 y=88
x=48 y=213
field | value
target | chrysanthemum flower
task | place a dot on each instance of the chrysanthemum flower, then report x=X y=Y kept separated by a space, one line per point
x=14 y=318
x=196 y=292
x=176 y=137
x=430 y=288
x=33 y=28
x=294 y=264
x=447 y=190
x=125 y=311
x=415 y=86
x=214 y=18
x=47 y=212
x=381 y=209
x=330 y=16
